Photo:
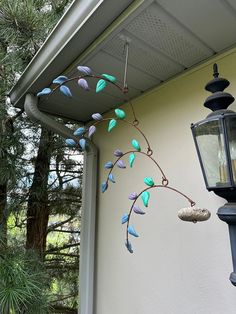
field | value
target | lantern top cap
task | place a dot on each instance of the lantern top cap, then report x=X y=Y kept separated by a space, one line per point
x=219 y=100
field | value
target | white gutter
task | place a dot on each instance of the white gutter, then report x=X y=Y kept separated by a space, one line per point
x=89 y=199
x=84 y=21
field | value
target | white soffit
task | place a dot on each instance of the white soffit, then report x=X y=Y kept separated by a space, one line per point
x=166 y=37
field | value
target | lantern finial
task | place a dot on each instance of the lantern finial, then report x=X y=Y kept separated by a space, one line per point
x=219 y=100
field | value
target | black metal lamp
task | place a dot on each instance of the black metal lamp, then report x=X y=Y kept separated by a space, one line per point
x=215 y=140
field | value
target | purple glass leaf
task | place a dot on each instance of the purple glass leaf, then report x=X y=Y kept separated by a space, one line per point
x=133 y=196
x=97 y=116
x=132 y=231
x=138 y=210
x=45 y=91
x=104 y=186
x=124 y=218
x=92 y=130
x=121 y=164
x=129 y=246
x=66 y=91
x=85 y=70
x=118 y=153
x=70 y=142
x=83 y=84
x=82 y=143
x=60 y=79
x=111 y=178
x=80 y=131
x=108 y=165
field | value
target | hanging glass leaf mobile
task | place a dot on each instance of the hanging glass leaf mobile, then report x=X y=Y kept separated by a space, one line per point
x=188 y=214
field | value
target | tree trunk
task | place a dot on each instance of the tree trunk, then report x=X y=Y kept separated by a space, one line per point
x=3 y=216
x=38 y=210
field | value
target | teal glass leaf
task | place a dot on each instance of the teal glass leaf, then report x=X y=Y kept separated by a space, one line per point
x=138 y=210
x=129 y=246
x=85 y=70
x=104 y=186
x=145 y=198
x=101 y=84
x=80 y=131
x=136 y=145
x=124 y=218
x=120 y=114
x=97 y=116
x=45 y=91
x=60 y=79
x=131 y=159
x=65 y=91
x=82 y=143
x=109 y=77
x=83 y=84
x=70 y=142
x=111 y=178
x=149 y=181
x=92 y=130
x=132 y=231
x=111 y=125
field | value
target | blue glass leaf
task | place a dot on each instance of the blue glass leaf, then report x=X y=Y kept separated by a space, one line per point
x=132 y=231
x=111 y=125
x=85 y=70
x=70 y=142
x=65 y=91
x=133 y=196
x=149 y=181
x=83 y=84
x=108 y=165
x=118 y=153
x=60 y=79
x=109 y=77
x=138 y=210
x=129 y=246
x=136 y=145
x=145 y=198
x=121 y=164
x=80 y=131
x=120 y=114
x=92 y=130
x=124 y=218
x=111 y=178
x=45 y=91
x=97 y=116
x=104 y=186
x=131 y=159
x=101 y=84
x=82 y=143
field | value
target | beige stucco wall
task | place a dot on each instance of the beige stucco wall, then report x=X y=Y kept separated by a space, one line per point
x=177 y=267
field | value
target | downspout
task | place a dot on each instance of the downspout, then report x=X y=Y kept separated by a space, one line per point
x=89 y=197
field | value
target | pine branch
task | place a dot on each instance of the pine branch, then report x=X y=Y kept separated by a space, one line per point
x=60 y=248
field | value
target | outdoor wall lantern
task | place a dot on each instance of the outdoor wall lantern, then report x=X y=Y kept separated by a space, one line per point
x=215 y=140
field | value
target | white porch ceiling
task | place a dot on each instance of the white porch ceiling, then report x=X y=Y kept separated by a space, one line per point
x=166 y=38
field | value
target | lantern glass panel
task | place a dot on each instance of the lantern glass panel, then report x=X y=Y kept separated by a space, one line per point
x=210 y=141
x=231 y=132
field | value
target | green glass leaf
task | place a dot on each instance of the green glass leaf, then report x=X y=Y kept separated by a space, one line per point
x=136 y=145
x=120 y=114
x=111 y=125
x=131 y=159
x=149 y=181
x=109 y=77
x=145 y=198
x=101 y=84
